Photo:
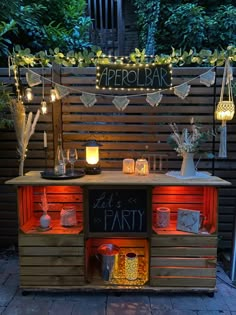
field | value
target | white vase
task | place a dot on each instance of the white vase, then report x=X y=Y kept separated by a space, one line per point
x=188 y=167
x=45 y=220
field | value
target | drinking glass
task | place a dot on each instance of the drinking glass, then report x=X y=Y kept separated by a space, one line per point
x=72 y=156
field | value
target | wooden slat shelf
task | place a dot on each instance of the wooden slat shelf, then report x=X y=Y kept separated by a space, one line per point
x=171 y=230
x=32 y=227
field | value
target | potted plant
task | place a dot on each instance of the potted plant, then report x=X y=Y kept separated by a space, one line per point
x=187 y=143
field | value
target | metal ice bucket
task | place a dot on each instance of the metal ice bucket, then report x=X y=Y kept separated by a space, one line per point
x=109 y=254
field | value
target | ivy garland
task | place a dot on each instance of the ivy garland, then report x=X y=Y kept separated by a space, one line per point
x=91 y=58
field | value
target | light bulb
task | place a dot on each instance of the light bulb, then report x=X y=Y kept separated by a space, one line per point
x=44 y=108
x=29 y=94
x=53 y=95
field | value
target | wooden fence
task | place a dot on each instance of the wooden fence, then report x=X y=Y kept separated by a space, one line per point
x=129 y=133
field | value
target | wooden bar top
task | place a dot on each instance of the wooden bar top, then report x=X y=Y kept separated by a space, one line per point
x=34 y=178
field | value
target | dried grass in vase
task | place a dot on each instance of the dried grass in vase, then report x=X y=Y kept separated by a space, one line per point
x=24 y=126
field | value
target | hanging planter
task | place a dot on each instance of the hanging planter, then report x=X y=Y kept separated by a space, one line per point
x=225 y=109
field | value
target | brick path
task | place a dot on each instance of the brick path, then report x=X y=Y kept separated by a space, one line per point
x=12 y=302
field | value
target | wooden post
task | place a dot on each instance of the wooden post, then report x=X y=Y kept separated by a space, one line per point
x=56 y=109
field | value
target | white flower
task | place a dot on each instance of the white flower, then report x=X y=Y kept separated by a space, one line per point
x=188 y=141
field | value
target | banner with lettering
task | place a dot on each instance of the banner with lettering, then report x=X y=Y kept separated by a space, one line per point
x=128 y=76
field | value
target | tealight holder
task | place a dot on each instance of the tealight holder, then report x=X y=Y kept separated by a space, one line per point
x=162 y=217
x=141 y=167
x=68 y=216
x=128 y=166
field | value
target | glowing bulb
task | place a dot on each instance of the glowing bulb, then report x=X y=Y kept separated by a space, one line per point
x=44 y=108
x=53 y=95
x=29 y=94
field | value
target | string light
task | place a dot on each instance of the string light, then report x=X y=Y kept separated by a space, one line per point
x=53 y=92
x=128 y=74
x=44 y=104
x=44 y=108
x=53 y=95
x=29 y=94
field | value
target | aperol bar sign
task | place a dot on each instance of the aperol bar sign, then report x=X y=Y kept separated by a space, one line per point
x=128 y=76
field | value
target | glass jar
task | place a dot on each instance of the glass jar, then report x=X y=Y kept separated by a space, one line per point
x=68 y=216
x=141 y=167
x=128 y=166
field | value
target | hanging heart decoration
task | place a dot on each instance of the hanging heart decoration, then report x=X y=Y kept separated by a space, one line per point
x=88 y=99
x=154 y=98
x=120 y=102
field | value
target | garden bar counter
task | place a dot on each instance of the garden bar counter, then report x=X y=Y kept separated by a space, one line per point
x=117 y=242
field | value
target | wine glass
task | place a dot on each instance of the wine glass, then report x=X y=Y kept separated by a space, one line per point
x=72 y=156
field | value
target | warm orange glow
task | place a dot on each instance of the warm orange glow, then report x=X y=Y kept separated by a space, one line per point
x=128 y=166
x=141 y=167
x=92 y=155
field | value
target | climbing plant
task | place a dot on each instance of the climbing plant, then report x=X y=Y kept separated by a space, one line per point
x=92 y=57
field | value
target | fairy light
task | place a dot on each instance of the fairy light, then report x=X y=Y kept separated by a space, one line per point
x=29 y=94
x=53 y=95
x=128 y=74
x=44 y=108
x=16 y=78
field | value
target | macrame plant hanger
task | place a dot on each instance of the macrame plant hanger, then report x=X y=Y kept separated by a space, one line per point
x=225 y=109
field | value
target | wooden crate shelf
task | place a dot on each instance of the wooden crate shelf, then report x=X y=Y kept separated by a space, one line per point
x=137 y=246
x=168 y=259
x=203 y=199
x=29 y=200
x=176 y=260
x=51 y=260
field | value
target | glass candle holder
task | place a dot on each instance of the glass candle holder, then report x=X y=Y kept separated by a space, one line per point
x=68 y=216
x=163 y=217
x=131 y=266
x=128 y=166
x=141 y=167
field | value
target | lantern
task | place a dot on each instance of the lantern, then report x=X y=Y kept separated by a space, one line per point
x=131 y=266
x=92 y=157
x=128 y=166
x=141 y=167
x=225 y=109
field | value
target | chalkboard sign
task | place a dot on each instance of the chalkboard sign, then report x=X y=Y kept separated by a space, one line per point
x=133 y=76
x=117 y=210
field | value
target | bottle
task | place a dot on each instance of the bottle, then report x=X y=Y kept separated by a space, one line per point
x=60 y=165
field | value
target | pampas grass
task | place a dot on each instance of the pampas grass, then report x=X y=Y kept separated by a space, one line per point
x=24 y=126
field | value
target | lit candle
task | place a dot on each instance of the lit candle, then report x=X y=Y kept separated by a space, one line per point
x=128 y=166
x=45 y=142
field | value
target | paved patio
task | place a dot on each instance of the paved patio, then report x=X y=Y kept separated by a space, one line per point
x=12 y=302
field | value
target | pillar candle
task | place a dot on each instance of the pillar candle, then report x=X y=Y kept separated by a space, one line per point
x=45 y=142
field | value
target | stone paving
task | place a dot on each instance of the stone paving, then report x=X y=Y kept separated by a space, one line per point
x=12 y=302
